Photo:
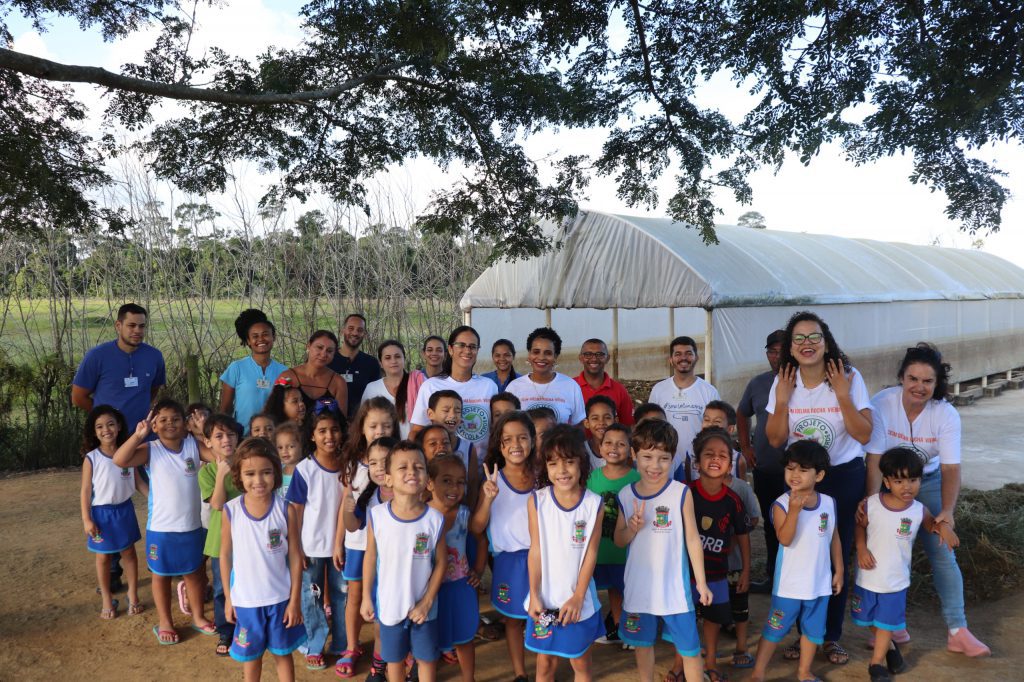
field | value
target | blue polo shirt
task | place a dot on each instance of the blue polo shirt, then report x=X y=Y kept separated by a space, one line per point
x=357 y=373
x=493 y=376
x=252 y=386
x=122 y=380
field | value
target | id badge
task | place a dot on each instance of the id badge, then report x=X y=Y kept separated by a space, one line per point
x=131 y=382
x=347 y=376
x=262 y=383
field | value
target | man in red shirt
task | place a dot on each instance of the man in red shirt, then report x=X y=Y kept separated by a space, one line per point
x=593 y=380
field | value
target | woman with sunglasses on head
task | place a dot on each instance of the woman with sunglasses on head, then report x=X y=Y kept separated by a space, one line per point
x=916 y=414
x=457 y=375
x=818 y=395
x=313 y=377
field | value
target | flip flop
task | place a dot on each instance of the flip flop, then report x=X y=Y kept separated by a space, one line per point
x=315 y=662
x=183 y=598
x=225 y=642
x=742 y=660
x=158 y=633
x=210 y=630
x=136 y=608
x=111 y=613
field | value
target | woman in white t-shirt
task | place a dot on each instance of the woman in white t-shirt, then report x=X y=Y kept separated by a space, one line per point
x=543 y=386
x=916 y=414
x=457 y=375
x=818 y=395
x=394 y=385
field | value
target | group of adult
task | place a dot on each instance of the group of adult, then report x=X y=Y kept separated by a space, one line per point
x=810 y=391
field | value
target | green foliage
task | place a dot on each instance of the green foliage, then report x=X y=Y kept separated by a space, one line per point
x=462 y=83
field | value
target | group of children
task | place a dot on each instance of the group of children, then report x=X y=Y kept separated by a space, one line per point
x=317 y=526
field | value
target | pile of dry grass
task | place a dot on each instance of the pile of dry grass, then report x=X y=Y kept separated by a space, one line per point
x=991 y=554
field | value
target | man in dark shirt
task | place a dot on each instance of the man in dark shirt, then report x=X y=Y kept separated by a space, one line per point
x=356 y=367
x=762 y=458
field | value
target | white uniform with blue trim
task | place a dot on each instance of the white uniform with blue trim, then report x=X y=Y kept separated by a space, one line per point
x=260 y=575
x=564 y=535
x=890 y=535
x=405 y=560
x=803 y=570
x=356 y=539
x=657 y=570
x=320 y=490
x=509 y=528
x=111 y=484
x=174 y=500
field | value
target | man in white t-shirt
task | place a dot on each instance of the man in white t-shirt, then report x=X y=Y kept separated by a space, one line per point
x=683 y=397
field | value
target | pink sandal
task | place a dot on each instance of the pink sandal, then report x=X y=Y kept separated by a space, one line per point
x=183 y=598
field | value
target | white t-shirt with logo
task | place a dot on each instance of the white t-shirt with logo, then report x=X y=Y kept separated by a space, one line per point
x=804 y=566
x=684 y=408
x=814 y=413
x=935 y=432
x=476 y=405
x=890 y=539
x=405 y=560
x=259 y=547
x=562 y=394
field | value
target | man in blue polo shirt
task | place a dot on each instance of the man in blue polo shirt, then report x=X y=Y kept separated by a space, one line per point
x=124 y=373
x=356 y=367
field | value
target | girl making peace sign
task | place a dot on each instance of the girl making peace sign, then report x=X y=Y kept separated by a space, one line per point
x=502 y=511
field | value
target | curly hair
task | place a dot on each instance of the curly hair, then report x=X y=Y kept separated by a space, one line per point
x=832 y=350
x=927 y=354
x=247 y=319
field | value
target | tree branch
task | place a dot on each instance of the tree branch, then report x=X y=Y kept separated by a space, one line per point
x=69 y=73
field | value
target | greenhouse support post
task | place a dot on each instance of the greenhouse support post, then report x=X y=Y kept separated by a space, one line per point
x=615 y=342
x=467 y=318
x=709 y=348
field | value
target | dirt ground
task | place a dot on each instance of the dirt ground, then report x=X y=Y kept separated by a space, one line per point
x=49 y=625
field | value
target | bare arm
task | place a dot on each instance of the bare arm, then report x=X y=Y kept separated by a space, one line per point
x=140 y=483
x=950 y=493
x=225 y=565
x=414 y=429
x=785 y=520
x=339 y=389
x=874 y=476
x=488 y=491
x=418 y=614
x=86 y=498
x=838 y=565
x=227 y=399
x=293 y=612
x=369 y=575
x=743 y=433
x=945 y=531
x=81 y=398
x=298 y=512
x=744 y=582
x=220 y=493
x=533 y=561
x=472 y=479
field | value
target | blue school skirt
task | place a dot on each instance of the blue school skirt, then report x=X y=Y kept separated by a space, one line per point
x=510 y=583
x=353 y=569
x=171 y=554
x=565 y=641
x=458 y=614
x=118 y=526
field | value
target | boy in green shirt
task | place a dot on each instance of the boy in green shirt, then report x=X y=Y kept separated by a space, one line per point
x=221 y=433
x=616 y=474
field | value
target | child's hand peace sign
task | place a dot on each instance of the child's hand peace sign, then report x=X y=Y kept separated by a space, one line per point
x=636 y=521
x=144 y=427
x=490 y=486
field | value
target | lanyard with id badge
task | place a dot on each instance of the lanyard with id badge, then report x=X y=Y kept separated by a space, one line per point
x=131 y=381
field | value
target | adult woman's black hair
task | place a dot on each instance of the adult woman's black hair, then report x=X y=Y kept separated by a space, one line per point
x=545 y=333
x=832 y=351
x=245 y=321
x=446 y=368
x=402 y=394
x=927 y=354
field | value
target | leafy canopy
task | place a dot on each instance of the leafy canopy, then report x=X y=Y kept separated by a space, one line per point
x=376 y=82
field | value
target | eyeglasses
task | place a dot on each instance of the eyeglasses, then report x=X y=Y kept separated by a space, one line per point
x=801 y=339
x=593 y=355
x=459 y=345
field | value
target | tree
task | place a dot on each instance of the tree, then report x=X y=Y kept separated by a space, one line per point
x=752 y=219
x=461 y=82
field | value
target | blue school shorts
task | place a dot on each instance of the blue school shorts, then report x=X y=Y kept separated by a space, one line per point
x=169 y=554
x=885 y=610
x=458 y=614
x=118 y=528
x=396 y=641
x=565 y=641
x=641 y=629
x=510 y=583
x=784 y=612
x=259 y=629
x=610 y=577
x=353 y=569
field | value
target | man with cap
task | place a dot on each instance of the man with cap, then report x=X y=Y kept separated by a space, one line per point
x=763 y=459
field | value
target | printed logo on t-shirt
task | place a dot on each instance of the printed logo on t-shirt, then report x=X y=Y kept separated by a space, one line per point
x=503 y=593
x=125 y=473
x=242 y=638
x=661 y=520
x=421 y=547
x=274 y=537
x=904 y=530
x=579 y=532
x=543 y=403
x=775 y=620
x=632 y=623
x=475 y=420
x=816 y=429
x=823 y=523
x=190 y=466
x=705 y=522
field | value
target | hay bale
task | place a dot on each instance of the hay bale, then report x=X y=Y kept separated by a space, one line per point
x=991 y=553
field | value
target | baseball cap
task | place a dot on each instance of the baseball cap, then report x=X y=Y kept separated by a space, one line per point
x=777 y=336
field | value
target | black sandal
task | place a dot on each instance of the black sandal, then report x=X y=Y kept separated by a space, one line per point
x=836 y=654
x=224 y=645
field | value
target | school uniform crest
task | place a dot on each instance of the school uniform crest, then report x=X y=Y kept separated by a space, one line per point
x=775 y=620
x=242 y=638
x=823 y=523
x=855 y=603
x=632 y=623
x=503 y=593
x=475 y=420
x=816 y=429
x=579 y=532
x=421 y=546
x=97 y=538
x=541 y=630
x=190 y=465
x=125 y=472
x=274 y=539
x=661 y=519
x=152 y=552
x=904 y=530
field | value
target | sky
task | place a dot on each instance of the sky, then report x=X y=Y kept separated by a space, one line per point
x=829 y=196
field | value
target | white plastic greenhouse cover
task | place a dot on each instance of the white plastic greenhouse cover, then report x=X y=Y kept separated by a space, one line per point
x=614 y=261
